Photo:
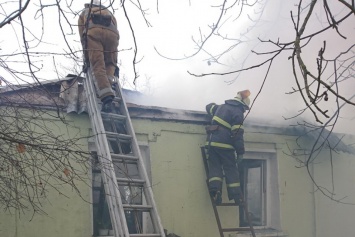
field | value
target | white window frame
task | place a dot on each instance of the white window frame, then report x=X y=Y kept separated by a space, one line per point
x=271 y=181
x=247 y=165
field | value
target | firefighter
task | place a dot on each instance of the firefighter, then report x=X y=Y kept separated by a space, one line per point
x=225 y=138
x=99 y=37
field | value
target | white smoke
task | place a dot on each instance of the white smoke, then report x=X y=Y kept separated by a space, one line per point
x=173 y=87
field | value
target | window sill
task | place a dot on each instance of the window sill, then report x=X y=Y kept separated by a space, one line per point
x=260 y=233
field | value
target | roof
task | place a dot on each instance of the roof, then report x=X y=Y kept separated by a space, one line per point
x=68 y=95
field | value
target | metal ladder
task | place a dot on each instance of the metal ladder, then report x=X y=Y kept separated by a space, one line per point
x=215 y=210
x=127 y=187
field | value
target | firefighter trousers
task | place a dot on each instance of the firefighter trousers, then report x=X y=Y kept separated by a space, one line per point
x=102 y=54
x=223 y=161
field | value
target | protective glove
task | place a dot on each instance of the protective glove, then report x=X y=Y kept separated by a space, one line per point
x=239 y=158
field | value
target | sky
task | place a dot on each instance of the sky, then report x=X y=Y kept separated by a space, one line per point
x=174 y=26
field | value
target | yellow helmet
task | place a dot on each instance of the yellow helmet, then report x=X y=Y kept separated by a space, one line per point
x=243 y=98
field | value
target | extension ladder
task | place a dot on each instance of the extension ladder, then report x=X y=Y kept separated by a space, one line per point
x=127 y=187
x=215 y=210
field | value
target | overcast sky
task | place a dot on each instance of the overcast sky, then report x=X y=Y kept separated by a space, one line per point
x=174 y=24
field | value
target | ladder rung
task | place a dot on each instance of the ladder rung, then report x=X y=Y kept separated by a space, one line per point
x=135 y=182
x=135 y=207
x=121 y=158
x=117 y=99
x=106 y=116
x=144 y=235
x=118 y=135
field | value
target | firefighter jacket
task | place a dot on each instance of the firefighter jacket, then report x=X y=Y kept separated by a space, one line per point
x=99 y=17
x=227 y=126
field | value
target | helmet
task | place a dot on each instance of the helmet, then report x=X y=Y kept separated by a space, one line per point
x=243 y=98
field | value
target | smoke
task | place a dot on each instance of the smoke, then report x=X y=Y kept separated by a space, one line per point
x=172 y=86
x=173 y=30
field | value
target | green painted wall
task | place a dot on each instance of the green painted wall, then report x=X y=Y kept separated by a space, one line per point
x=65 y=216
x=179 y=186
x=178 y=177
x=336 y=177
x=179 y=180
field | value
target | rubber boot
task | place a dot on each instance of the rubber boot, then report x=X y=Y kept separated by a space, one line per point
x=216 y=197
x=107 y=105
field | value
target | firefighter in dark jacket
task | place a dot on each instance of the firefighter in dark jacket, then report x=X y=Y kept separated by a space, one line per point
x=225 y=138
x=99 y=37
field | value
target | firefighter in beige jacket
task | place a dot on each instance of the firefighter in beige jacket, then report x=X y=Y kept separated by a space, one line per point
x=99 y=37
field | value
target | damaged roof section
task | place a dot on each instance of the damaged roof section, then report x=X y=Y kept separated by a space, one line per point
x=66 y=94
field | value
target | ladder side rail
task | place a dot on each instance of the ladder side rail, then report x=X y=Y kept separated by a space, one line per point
x=113 y=196
x=147 y=187
x=247 y=214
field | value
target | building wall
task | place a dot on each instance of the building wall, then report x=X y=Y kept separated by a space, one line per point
x=179 y=185
x=296 y=193
x=335 y=177
x=67 y=214
x=179 y=180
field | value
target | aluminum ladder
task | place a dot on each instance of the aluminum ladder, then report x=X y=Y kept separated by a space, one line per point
x=117 y=149
x=222 y=230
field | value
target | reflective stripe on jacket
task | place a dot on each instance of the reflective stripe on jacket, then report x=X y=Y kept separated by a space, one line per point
x=229 y=135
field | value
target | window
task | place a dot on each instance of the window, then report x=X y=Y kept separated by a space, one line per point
x=259 y=182
x=137 y=221
x=252 y=179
